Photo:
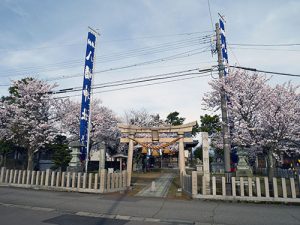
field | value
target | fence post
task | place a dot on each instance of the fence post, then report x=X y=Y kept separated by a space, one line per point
x=267 y=189
x=250 y=191
x=194 y=183
x=258 y=190
x=275 y=187
x=6 y=176
x=47 y=177
x=68 y=179
x=52 y=178
x=242 y=189
x=73 y=179
x=203 y=185
x=96 y=181
x=33 y=177
x=42 y=178
x=90 y=180
x=24 y=177
x=283 y=183
x=78 y=179
x=11 y=176
x=37 y=177
x=108 y=183
x=102 y=180
x=28 y=177
x=124 y=179
x=2 y=174
x=223 y=186
x=214 y=189
x=57 y=179
x=15 y=176
x=84 y=181
x=233 y=186
x=63 y=174
x=19 y=177
x=293 y=188
x=120 y=180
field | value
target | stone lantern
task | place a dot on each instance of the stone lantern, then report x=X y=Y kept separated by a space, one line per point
x=75 y=164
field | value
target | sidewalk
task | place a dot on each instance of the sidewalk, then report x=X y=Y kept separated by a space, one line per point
x=162 y=185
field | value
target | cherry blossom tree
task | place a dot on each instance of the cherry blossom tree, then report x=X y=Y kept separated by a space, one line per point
x=263 y=117
x=27 y=116
x=103 y=122
x=143 y=118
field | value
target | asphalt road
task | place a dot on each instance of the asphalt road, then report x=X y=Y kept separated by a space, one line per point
x=23 y=206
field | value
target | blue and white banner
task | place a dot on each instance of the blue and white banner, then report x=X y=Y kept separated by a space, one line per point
x=86 y=93
x=224 y=47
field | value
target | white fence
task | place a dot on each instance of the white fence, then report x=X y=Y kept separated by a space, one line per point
x=64 y=181
x=257 y=189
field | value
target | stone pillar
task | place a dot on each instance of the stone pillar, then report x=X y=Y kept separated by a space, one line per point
x=129 y=160
x=19 y=177
x=181 y=155
x=102 y=156
x=73 y=179
x=205 y=158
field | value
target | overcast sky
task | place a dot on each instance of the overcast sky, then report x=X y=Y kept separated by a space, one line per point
x=47 y=39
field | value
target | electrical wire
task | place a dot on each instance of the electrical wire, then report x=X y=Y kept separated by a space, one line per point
x=168 y=46
x=264 y=71
x=136 y=86
x=265 y=45
x=137 y=80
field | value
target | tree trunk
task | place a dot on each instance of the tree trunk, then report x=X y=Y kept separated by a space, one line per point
x=30 y=161
x=270 y=164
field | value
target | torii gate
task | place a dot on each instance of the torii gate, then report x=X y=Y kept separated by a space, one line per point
x=130 y=131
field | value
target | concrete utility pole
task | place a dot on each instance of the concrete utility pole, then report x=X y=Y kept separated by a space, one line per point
x=225 y=127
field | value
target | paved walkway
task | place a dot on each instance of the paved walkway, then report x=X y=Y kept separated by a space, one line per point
x=162 y=185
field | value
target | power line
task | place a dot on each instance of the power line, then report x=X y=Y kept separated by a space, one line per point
x=171 y=57
x=59 y=45
x=264 y=45
x=267 y=49
x=136 y=86
x=137 y=80
x=168 y=46
x=264 y=71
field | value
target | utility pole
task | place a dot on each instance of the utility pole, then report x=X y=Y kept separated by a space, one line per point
x=224 y=111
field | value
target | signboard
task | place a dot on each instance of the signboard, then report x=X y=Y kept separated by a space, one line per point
x=86 y=94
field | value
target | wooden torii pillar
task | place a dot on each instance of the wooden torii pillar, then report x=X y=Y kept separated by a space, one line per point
x=131 y=131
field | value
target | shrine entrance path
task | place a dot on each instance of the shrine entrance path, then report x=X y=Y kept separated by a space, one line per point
x=162 y=185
